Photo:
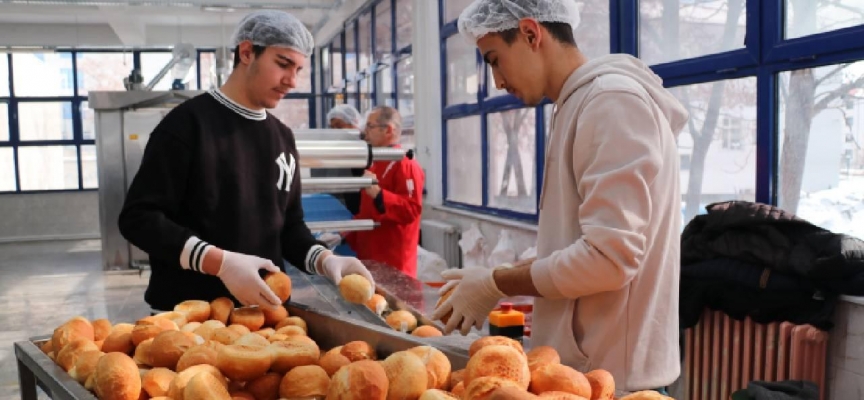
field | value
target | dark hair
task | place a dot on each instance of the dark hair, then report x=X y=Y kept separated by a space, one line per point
x=255 y=49
x=561 y=31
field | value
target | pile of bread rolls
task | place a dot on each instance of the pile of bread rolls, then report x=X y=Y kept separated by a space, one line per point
x=358 y=290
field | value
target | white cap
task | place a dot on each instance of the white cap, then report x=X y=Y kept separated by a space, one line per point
x=345 y=112
x=274 y=28
x=483 y=17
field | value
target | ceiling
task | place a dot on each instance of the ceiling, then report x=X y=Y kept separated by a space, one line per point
x=140 y=23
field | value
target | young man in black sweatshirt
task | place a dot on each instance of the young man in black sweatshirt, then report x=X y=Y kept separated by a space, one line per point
x=217 y=196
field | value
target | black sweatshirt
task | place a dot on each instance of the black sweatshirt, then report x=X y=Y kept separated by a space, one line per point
x=214 y=172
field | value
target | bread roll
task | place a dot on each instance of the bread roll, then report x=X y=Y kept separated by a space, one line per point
x=542 y=355
x=225 y=335
x=435 y=394
x=119 y=340
x=512 y=393
x=85 y=365
x=157 y=381
x=602 y=384
x=356 y=289
x=250 y=317
x=437 y=366
x=331 y=362
x=176 y=317
x=220 y=309
x=295 y=321
x=402 y=321
x=194 y=310
x=406 y=375
x=494 y=340
x=149 y=327
x=243 y=363
x=560 y=396
x=142 y=353
x=207 y=328
x=190 y=327
x=241 y=329
x=265 y=387
x=251 y=339
x=168 y=347
x=646 y=395
x=498 y=361
x=205 y=386
x=75 y=328
x=67 y=357
x=559 y=378
x=291 y=330
x=441 y=300
x=265 y=333
x=241 y=395
x=378 y=304
x=116 y=378
x=362 y=380
x=280 y=284
x=47 y=346
x=483 y=387
x=177 y=390
x=197 y=355
x=427 y=331
x=456 y=377
x=101 y=329
x=300 y=338
x=303 y=382
x=290 y=354
x=358 y=350
x=278 y=337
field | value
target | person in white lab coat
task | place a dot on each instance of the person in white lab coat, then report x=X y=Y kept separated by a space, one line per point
x=607 y=268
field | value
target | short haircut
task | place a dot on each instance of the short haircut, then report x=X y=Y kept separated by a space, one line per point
x=388 y=115
x=255 y=49
x=561 y=31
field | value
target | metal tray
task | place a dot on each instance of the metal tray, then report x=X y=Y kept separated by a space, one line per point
x=327 y=329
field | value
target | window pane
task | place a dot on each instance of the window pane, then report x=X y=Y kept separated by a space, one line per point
x=208 y=70
x=336 y=62
x=42 y=74
x=350 y=52
x=326 y=73
x=462 y=71
x=405 y=82
x=820 y=158
x=452 y=9
x=808 y=17
x=464 y=164
x=547 y=115
x=152 y=63
x=383 y=33
x=365 y=36
x=404 y=23
x=304 y=78
x=718 y=145
x=385 y=86
x=365 y=94
x=7 y=169
x=4 y=122
x=592 y=34
x=89 y=167
x=4 y=74
x=48 y=167
x=45 y=121
x=491 y=90
x=689 y=29
x=293 y=112
x=88 y=121
x=102 y=71
x=512 y=139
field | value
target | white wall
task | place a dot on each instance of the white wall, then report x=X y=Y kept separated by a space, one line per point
x=49 y=216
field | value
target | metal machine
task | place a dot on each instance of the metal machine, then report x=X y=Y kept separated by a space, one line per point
x=123 y=124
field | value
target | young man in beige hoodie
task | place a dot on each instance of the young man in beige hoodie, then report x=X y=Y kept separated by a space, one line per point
x=607 y=268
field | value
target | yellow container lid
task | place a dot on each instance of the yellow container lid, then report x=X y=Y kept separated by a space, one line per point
x=506 y=316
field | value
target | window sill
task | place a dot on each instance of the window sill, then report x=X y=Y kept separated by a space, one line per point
x=487 y=218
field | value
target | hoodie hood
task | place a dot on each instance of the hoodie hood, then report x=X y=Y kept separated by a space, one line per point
x=627 y=65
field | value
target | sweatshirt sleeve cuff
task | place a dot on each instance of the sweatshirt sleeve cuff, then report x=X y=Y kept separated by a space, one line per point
x=543 y=277
x=312 y=258
x=192 y=255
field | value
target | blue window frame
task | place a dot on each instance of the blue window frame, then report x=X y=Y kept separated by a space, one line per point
x=767 y=54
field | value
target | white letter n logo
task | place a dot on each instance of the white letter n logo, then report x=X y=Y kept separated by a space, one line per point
x=286 y=172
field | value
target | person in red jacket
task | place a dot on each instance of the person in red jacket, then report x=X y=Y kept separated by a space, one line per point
x=395 y=202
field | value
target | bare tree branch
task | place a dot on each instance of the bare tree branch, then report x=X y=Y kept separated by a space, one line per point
x=855 y=10
x=830 y=74
x=822 y=104
x=691 y=124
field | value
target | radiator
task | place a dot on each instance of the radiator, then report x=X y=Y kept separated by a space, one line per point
x=443 y=239
x=722 y=355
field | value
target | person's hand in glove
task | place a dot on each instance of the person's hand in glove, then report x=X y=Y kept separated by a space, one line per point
x=335 y=267
x=475 y=295
x=331 y=239
x=239 y=273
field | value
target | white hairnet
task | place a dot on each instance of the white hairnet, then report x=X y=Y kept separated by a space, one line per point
x=345 y=112
x=274 y=28
x=483 y=17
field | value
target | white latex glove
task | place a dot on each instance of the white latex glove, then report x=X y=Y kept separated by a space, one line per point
x=335 y=267
x=331 y=239
x=474 y=297
x=239 y=273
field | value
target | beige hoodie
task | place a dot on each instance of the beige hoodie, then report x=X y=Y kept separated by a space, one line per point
x=608 y=241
